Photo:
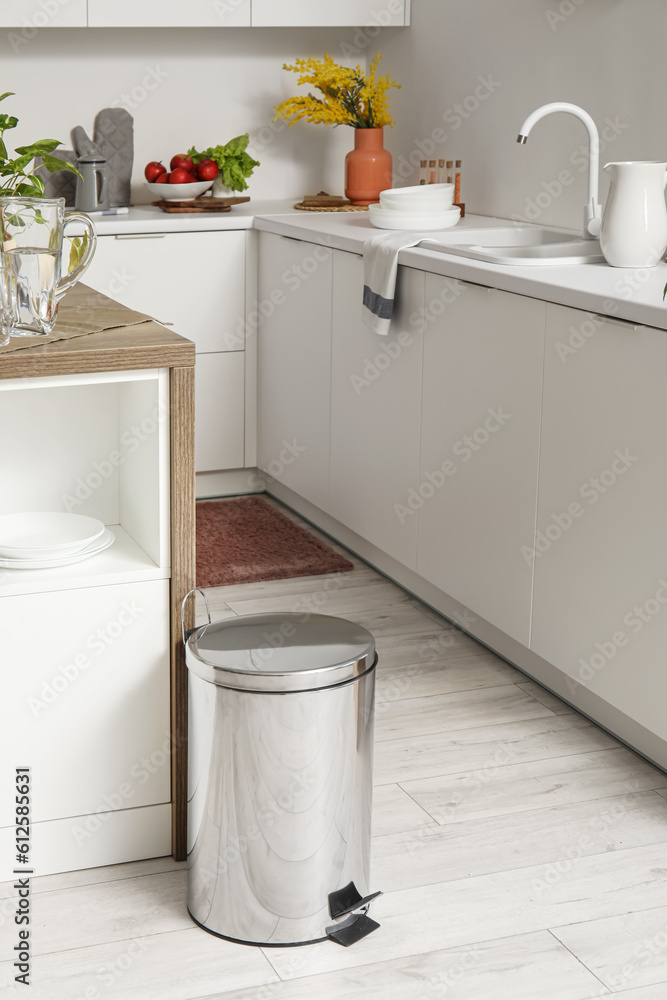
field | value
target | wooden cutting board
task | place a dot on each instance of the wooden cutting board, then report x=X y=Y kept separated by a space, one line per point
x=202 y=204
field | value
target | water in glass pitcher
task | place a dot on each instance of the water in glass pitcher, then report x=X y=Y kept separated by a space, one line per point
x=35 y=274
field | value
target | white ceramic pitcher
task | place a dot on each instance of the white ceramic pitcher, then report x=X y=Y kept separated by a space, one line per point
x=634 y=221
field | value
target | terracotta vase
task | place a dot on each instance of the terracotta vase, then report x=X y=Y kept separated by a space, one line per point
x=367 y=167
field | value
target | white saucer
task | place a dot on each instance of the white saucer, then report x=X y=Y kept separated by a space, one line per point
x=383 y=218
x=46 y=534
x=106 y=539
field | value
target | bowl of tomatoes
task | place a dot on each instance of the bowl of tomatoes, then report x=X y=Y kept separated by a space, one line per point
x=184 y=181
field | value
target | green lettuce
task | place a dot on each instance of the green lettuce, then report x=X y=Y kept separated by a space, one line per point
x=232 y=160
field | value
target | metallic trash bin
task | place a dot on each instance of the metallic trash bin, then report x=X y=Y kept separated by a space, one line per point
x=281 y=710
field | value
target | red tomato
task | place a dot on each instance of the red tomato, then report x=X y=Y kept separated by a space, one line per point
x=207 y=170
x=181 y=162
x=163 y=178
x=153 y=170
x=180 y=176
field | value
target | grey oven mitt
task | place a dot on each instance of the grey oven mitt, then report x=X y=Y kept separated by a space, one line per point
x=114 y=135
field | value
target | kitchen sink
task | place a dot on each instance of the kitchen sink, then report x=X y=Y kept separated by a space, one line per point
x=519 y=245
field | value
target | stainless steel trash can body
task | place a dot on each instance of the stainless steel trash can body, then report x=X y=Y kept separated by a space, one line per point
x=280 y=773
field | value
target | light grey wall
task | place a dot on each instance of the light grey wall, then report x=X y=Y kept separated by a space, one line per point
x=183 y=87
x=609 y=56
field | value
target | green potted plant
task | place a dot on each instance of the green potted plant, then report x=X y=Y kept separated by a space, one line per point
x=17 y=176
x=233 y=162
x=19 y=179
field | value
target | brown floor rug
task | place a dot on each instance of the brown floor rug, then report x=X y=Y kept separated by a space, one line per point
x=245 y=540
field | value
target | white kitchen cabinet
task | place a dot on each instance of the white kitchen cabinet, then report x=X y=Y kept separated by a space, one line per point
x=193 y=281
x=294 y=364
x=474 y=500
x=86 y=694
x=31 y=15
x=219 y=439
x=304 y=13
x=196 y=283
x=600 y=601
x=168 y=13
x=375 y=410
x=79 y=698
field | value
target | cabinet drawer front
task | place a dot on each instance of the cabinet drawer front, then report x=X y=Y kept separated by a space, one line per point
x=196 y=281
x=294 y=13
x=168 y=13
x=219 y=409
x=86 y=701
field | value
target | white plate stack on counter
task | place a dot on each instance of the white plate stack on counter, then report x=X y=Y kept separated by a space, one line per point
x=47 y=539
x=425 y=206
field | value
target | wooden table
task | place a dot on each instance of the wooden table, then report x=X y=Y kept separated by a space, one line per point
x=145 y=345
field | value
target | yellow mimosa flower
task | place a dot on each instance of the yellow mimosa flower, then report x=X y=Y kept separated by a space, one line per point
x=349 y=97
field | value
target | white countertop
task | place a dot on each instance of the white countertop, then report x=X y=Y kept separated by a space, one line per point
x=629 y=294
x=147 y=219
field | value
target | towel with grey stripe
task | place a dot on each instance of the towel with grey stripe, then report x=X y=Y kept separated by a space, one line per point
x=380 y=269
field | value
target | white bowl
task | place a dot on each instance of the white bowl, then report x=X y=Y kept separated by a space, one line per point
x=424 y=198
x=383 y=218
x=419 y=189
x=417 y=204
x=178 y=192
x=393 y=213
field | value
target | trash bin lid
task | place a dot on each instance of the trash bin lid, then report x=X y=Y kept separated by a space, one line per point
x=280 y=652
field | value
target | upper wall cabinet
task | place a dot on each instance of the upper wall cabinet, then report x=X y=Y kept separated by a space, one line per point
x=31 y=15
x=304 y=13
x=168 y=13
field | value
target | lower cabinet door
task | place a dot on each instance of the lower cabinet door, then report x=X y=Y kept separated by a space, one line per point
x=600 y=553
x=375 y=411
x=85 y=701
x=294 y=365
x=475 y=497
x=219 y=411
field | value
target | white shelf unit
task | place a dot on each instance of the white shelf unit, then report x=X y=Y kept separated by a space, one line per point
x=85 y=691
x=95 y=444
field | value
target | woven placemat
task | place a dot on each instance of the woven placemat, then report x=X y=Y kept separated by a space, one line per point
x=82 y=311
x=342 y=208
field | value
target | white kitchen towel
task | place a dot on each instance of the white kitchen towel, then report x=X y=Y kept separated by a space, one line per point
x=380 y=269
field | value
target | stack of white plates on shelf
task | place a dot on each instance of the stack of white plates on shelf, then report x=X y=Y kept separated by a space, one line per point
x=427 y=206
x=46 y=539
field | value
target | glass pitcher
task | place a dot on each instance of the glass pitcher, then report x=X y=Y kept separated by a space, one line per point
x=31 y=246
x=6 y=314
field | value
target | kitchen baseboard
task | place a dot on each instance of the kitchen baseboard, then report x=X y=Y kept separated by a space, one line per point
x=584 y=701
x=106 y=838
x=230 y=482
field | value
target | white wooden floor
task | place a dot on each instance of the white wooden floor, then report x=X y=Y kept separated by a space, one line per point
x=523 y=852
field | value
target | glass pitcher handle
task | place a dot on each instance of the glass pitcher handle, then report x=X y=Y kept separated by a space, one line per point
x=68 y=280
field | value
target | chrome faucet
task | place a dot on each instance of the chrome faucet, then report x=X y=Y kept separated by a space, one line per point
x=592 y=209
